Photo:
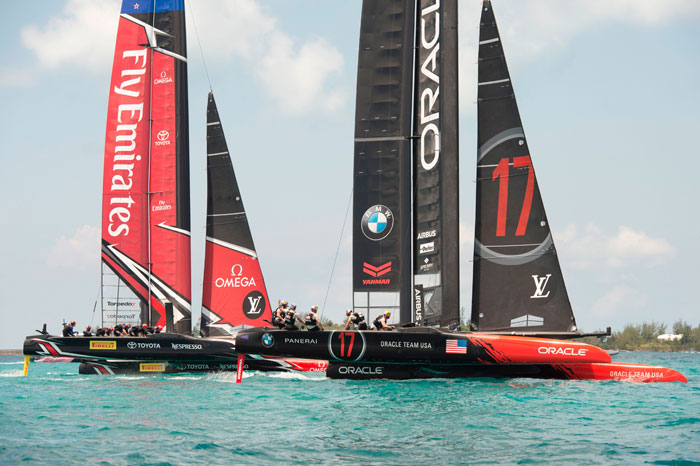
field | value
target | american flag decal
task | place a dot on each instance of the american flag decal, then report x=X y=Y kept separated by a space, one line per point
x=453 y=346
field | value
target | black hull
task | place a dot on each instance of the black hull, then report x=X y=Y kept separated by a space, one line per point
x=415 y=345
x=179 y=367
x=158 y=347
x=337 y=370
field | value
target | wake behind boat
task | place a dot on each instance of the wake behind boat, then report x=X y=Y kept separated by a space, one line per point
x=522 y=321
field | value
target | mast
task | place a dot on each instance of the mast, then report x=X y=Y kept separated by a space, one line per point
x=382 y=162
x=146 y=169
x=234 y=292
x=518 y=284
x=436 y=165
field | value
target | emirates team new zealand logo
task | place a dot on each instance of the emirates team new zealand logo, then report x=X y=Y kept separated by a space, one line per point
x=377 y=222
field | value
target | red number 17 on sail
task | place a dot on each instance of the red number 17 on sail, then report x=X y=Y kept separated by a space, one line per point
x=502 y=173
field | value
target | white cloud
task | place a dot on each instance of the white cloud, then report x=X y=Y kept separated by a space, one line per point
x=80 y=251
x=298 y=75
x=13 y=76
x=621 y=302
x=536 y=27
x=83 y=35
x=592 y=247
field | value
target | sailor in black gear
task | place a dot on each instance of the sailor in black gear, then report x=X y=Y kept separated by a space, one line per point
x=290 y=318
x=279 y=314
x=312 y=322
x=120 y=330
x=87 y=332
x=134 y=331
x=382 y=322
x=101 y=332
x=356 y=319
x=158 y=329
x=68 y=330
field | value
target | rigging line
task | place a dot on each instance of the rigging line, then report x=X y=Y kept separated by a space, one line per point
x=199 y=43
x=340 y=240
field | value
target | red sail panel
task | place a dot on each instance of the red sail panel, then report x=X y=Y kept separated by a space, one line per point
x=234 y=291
x=170 y=250
x=125 y=183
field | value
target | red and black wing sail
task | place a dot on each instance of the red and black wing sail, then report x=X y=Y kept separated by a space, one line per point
x=146 y=199
x=436 y=165
x=518 y=283
x=234 y=292
x=382 y=162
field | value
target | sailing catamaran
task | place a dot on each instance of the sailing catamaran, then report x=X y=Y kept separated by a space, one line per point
x=522 y=323
x=146 y=275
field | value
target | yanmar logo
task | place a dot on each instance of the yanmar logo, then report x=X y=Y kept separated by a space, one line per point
x=567 y=351
x=378 y=271
x=103 y=345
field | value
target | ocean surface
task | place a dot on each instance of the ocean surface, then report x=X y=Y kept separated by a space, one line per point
x=59 y=417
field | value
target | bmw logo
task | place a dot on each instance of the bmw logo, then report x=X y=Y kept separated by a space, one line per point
x=377 y=222
x=267 y=340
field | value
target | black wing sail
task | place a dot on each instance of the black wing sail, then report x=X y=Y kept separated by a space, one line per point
x=436 y=167
x=518 y=284
x=382 y=165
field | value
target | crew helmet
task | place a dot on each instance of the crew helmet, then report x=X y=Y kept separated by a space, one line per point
x=72 y=323
x=314 y=308
x=387 y=313
x=283 y=304
x=88 y=327
x=348 y=312
x=293 y=307
x=144 y=326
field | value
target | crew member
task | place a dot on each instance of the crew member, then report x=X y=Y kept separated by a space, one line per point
x=157 y=329
x=101 y=332
x=68 y=330
x=356 y=319
x=290 y=318
x=134 y=331
x=382 y=322
x=280 y=313
x=120 y=330
x=87 y=332
x=312 y=322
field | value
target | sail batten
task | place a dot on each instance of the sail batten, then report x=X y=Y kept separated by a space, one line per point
x=518 y=283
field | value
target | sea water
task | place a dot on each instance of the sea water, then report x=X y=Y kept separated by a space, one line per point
x=59 y=417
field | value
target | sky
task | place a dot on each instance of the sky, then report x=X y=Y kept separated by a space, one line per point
x=607 y=91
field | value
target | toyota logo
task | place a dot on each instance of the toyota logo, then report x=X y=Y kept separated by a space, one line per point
x=163 y=135
x=131 y=345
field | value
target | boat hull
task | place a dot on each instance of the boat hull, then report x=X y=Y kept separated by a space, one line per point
x=256 y=363
x=157 y=347
x=581 y=371
x=418 y=353
x=416 y=345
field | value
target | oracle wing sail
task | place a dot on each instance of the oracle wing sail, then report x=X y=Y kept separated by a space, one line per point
x=382 y=162
x=436 y=167
x=518 y=284
x=146 y=206
x=234 y=291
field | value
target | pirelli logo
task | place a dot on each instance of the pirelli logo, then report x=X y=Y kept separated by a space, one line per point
x=103 y=345
x=152 y=367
